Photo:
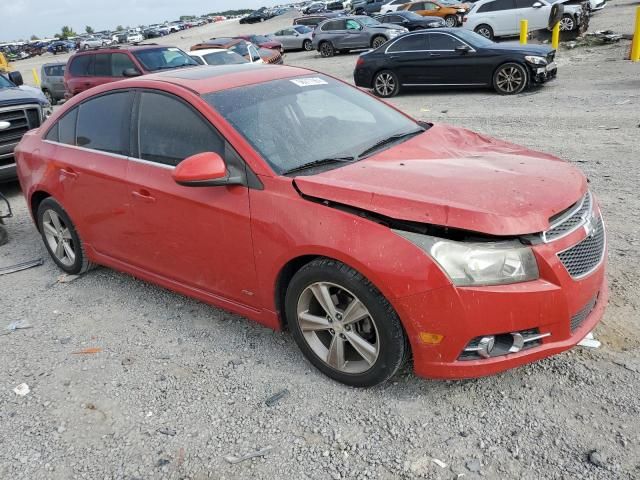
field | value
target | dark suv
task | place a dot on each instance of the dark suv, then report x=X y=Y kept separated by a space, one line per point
x=103 y=65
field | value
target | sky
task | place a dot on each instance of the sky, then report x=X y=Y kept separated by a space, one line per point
x=19 y=19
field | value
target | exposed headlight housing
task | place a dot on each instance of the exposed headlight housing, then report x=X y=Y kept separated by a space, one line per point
x=461 y=10
x=479 y=263
x=535 y=60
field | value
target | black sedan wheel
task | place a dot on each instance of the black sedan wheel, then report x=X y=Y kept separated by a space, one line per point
x=485 y=30
x=386 y=84
x=567 y=24
x=510 y=78
x=451 y=21
x=327 y=50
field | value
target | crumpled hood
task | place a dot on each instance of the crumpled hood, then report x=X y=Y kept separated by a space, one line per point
x=456 y=178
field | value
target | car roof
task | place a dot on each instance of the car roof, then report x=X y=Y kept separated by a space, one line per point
x=209 y=79
x=133 y=48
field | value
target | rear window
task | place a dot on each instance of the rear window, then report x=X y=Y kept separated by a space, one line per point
x=54 y=71
x=224 y=58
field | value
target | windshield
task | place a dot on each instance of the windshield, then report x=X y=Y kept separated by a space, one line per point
x=224 y=58
x=288 y=121
x=5 y=83
x=260 y=39
x=155 y=59
x=473 y=38
x=368 y=21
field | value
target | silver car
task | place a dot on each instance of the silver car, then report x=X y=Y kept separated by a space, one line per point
x=355 y=32
x=52 y=81
x=297 y=37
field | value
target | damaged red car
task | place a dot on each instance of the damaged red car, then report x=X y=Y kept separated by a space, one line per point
x=374 y=239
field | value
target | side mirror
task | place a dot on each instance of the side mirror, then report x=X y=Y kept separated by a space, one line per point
x=16 y=78
x=203 y=170
x=537 y=5
x=463 y=49
x=131 y=72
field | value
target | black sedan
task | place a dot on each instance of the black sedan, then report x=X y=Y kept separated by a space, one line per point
x=411 y=20
x=447 y=57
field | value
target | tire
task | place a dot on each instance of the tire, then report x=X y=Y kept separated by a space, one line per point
x=49 y=97
x=327 y=50
x=451 y=21
x=307 y=45
x=567 y=23
x=510 y=78
x=484 y=30
x=386 y=84
x=378 y=41
x=48 y=211
x=360 y=353
x=4 y=236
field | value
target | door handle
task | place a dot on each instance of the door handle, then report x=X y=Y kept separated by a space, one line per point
x=435 y=54
x=144 y=195
x=68 y=172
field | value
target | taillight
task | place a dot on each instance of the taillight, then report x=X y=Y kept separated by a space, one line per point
x=360 y=62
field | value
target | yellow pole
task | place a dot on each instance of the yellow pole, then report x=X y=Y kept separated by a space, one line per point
x=635 y=43
x=524 y=29
x=555 y=36
x=35 y=77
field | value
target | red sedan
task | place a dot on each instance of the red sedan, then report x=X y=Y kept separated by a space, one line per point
x=298 y=201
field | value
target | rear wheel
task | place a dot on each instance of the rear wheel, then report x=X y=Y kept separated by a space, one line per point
x=48 y=95
x=378 y=41
x=510 y=78
x=343 y=324
x=386 y=84
x=327 y=50
x=567 y=23
x=61 y=238
x=307 y=45
x=484 y=30
x=450 y=21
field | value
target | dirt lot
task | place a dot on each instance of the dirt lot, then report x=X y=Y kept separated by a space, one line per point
x=178 y=385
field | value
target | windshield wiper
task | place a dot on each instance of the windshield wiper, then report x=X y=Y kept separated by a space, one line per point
x=388 y=140
x=321 y=161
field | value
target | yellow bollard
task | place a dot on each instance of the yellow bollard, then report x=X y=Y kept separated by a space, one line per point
x=524 y=30
x=635 y=43
x=35 y=77
x=555 y=36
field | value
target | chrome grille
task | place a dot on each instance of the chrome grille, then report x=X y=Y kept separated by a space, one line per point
x=582 y=315
x=22 y=119
x=569 y=220
x=584 y=257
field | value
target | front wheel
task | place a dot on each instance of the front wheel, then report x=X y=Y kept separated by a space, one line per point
x=386 y=84
x=343 y=324
x=378 y=41
x=567 y=23
x=61 y=238
x=450 y=21
x=510 y=78
x=307 y=45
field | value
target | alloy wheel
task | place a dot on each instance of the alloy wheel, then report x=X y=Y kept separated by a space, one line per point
x=308 y=46
x=385 y=84
x=326 y=50
x=338 y=327
x=484 y=31
x=378 y=42
x=59 y=238
x=510 y=79
x=567 y=24
x=450 y=21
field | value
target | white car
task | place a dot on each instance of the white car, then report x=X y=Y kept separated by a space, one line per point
x=245 y=50
x=134 y=37
x=501 y=18
x=91 y=42
x=392 y=6
x=219 y=56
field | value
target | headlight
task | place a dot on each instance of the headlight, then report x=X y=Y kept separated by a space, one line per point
x=479 y=263
x=434 y=24
x=535 y=60
x=461 y=10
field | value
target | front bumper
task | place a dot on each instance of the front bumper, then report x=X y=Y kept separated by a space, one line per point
x=8 y=172
x=545 y=73
x=555 y=304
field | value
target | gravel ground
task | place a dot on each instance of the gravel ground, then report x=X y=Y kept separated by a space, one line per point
x=177 y=385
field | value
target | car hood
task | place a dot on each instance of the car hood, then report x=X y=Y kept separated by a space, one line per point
x=541 y=50
x=455 y=178
x=18 y=95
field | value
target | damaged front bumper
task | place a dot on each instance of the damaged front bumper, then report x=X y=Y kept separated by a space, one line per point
x=544 y=73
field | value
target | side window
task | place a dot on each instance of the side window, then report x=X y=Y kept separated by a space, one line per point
x=102 y=65
x=198 y=60
x=441 y=41
x=255 y=56
x=82 y=66
x=103 y=123
x=67 y=127
x=169 y=139
x=52 y=134
x=353 y=25
x=430 y=6
x=395 y=18
x=410 y=43
x=487 y=7
x=416 y=7
x=279 y=33
x=119 y=63
x=504 y=5
x=525 y=3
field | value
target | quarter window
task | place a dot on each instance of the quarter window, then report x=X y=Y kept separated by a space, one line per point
x=410 y=43
x=170 y=131
x=103 y=123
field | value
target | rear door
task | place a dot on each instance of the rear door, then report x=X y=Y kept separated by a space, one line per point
x=197 y=236
x=91 y=144
x=505 y=18
x=449 y=66
x=538 y=17
x=409 y=58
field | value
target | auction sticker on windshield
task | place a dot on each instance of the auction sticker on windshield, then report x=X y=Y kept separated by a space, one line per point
x=308 y=82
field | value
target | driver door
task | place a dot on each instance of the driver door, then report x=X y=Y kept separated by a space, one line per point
x=195 y=236
x=355 y=37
